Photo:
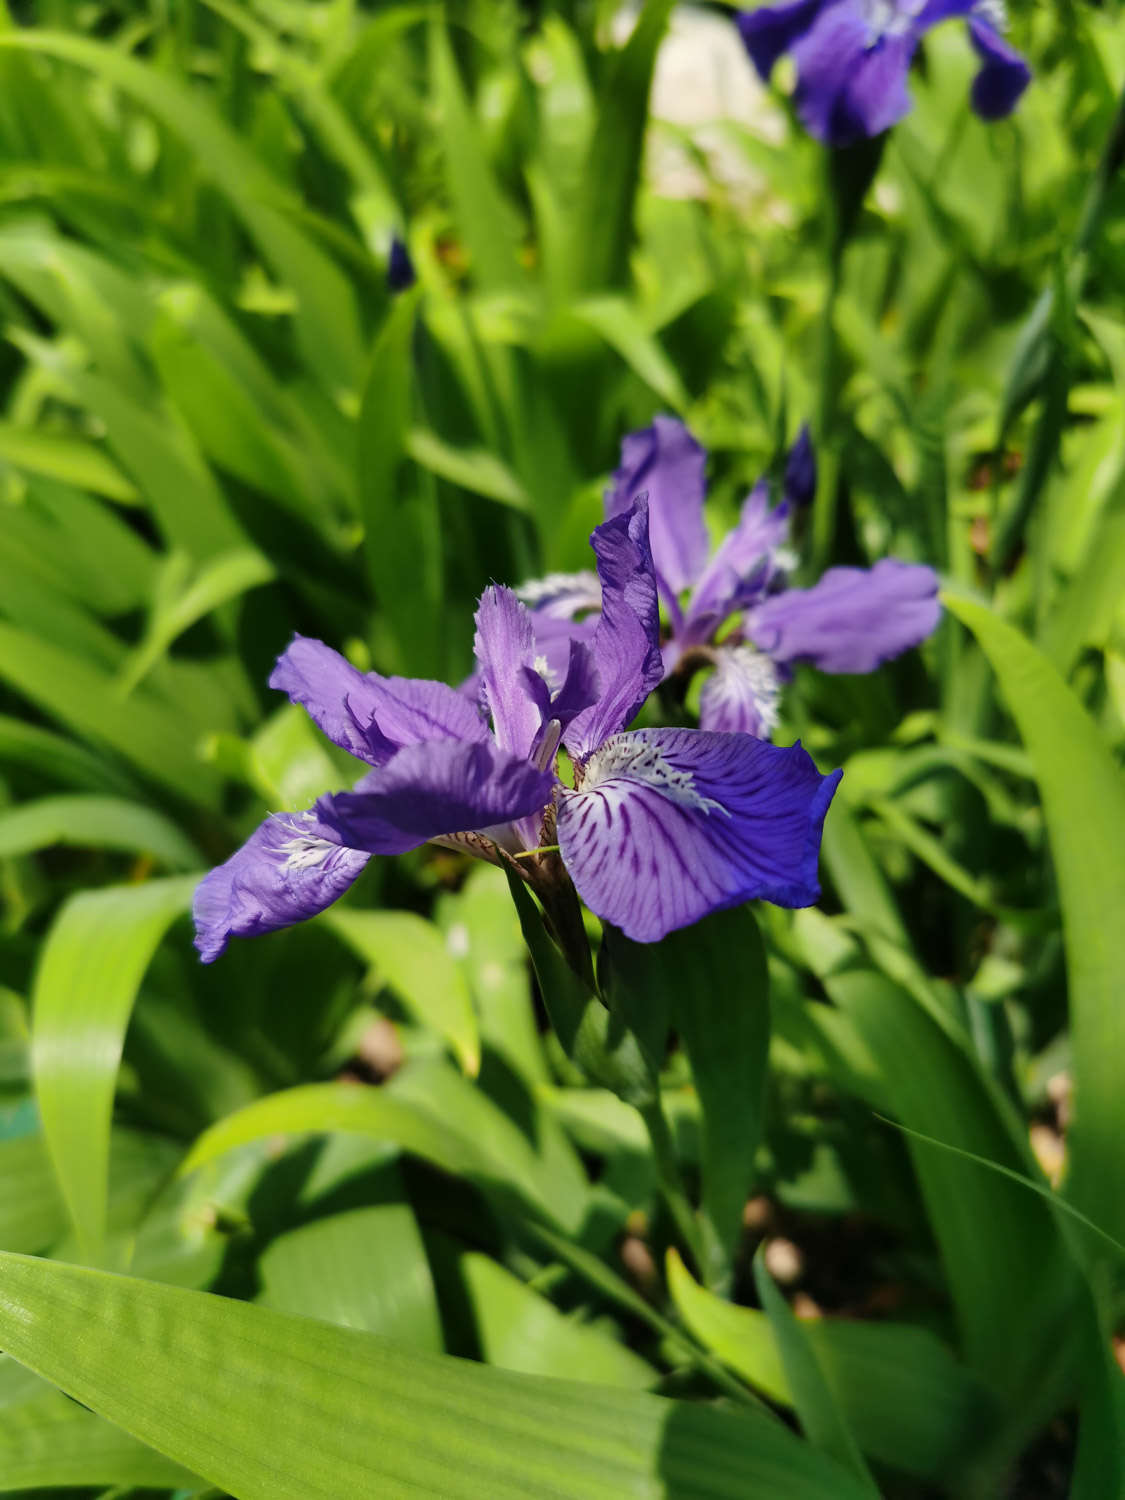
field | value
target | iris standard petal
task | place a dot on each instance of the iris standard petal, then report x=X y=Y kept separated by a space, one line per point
x=368 y=715
x=290 y=868
x=434 y=789
x=626 y=645
x=739 y=558
x=504 y=647
x=1002 y=76
x=852 y=619
x=769 y=31
x=741 y=695
x=665 y=461
x=670 y=824
x=850 y=85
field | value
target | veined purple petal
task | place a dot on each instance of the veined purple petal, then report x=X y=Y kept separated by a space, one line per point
x=850 y=85
x=670 y=824
x=667 y=462
x=769 y=31
x=741 y=694
x=852 y=619
x=505 y=652
x=368 y=715
x=290 y=868
x=742 y=555
x=1002 y=76
x=626 y=646
x=428 y=790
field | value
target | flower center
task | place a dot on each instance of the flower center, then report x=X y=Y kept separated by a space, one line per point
x=889 y=18
x=633 y=757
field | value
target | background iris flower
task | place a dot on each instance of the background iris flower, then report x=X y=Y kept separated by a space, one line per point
x=733 y=611
x=660 y=827
x=853 y=57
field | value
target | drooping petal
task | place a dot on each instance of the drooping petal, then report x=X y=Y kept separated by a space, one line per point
x=505 y=651
x=433 y=789
x=368 y=715
x=742 y=556
x=290 y=868
x=769 y=31
x=849 y=83
x=741 y=695
x=670 y=824
x=626 y=645
x=851 y=619
x=667 y=463
x=1002 y=76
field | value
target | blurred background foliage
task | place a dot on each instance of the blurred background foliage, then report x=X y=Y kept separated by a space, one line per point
x=220 y=426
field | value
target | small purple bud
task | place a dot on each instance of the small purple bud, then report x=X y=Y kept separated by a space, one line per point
x=400 y=268
x=800 y=470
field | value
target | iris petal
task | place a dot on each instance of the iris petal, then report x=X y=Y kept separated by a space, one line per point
x=852 y=619
x=289 y=869
x=665 y=462
x=671 y=824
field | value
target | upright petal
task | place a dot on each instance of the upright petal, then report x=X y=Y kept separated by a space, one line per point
x=743 y=556
x=741 y=695
x=665 y=461
x=505 y=651
x=1002 y=76
x=626 y=644
x=769 y=31
x=852 y=619
x=290 y=868
x=670 y=824
x=849 y=83
x=432 y=789
x=368 y=715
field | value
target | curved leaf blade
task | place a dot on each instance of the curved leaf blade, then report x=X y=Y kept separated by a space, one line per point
x=274 y=1407
x=91 y=967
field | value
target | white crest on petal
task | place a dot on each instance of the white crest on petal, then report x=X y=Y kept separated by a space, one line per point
x=743 y=673
x=562 y=594
x=634 y=757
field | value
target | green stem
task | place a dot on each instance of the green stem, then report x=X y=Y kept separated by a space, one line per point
x=671 y=1183
x=598 y=1275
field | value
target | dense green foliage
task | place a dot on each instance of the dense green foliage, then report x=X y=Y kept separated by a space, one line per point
x=219 y=427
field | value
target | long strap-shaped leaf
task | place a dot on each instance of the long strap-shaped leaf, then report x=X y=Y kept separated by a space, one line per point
x=274 y=1407
x=92 y=965
x=1083 y=795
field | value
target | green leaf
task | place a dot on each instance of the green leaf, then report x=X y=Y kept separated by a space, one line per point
x=427 y=1109
x=902 y=1393
x=48 y=1442
x=474 y=469
x=1084 y=805
x=273 y=1407
x=71 y=459
x=365 y=1268
x=520 y=1330
x=603 y=222
x=822 y=1419
x=411 y=957
x=711 y=980
x=486 y=219
x=618 y=324
x=91 y=967
x=95 y=823
x=32 y=1214
x=83 y=696
x=326 y=316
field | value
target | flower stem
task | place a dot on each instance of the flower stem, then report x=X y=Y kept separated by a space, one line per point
x=671 y=1183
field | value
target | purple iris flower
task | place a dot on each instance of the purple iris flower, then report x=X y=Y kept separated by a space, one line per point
x=852 y=58
x=660 y=827
x=732 y=611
